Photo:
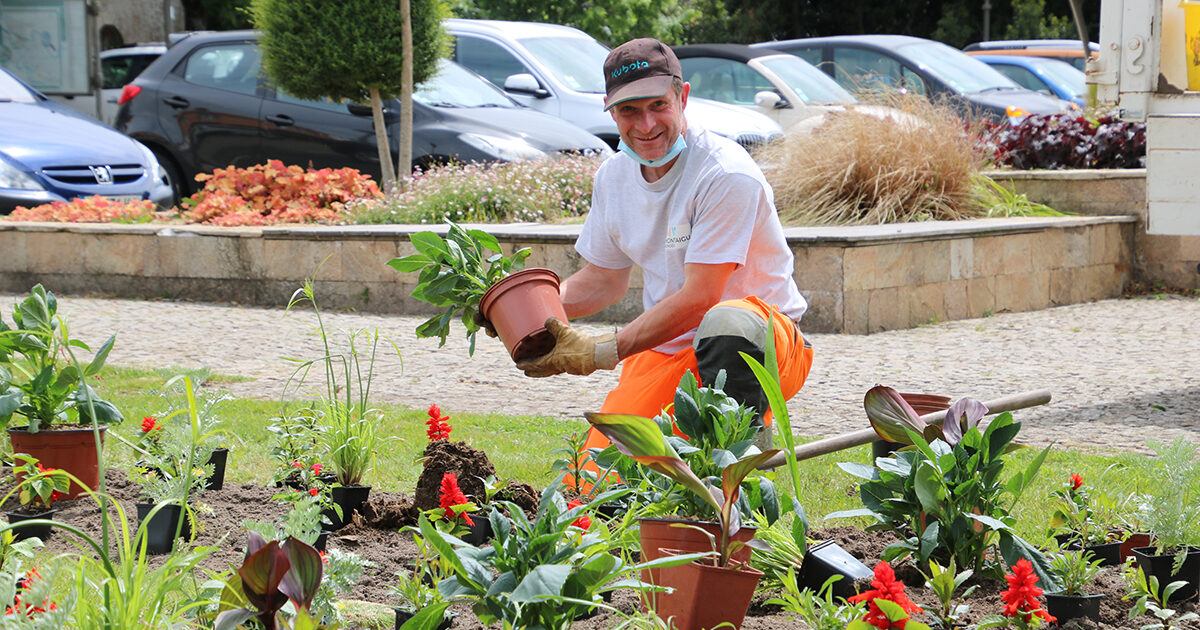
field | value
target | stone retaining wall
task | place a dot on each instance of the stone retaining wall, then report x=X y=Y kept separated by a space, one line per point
x=857 y=279
x=1171 y=261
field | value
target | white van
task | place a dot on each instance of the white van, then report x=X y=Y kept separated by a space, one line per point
x=559 y=70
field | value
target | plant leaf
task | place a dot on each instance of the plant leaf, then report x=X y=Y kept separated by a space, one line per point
x=890 y=414
x=962 y=415
x=546 y=580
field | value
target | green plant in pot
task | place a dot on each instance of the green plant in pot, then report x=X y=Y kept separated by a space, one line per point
x=1087 y=517
x=458 y=274
x=1075 y=569
x=697 y=585
x=345 y=423
x=42 y=384
x=37 y=489
x=945 y=498
x=1170 y=512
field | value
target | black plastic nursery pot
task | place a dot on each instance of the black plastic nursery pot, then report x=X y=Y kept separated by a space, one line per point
x=40 y=531
x=1160 y=567
x=825 y=560
x=218 y=459
x=1109 y=554
x=884 y=448
x=479 y=532
x=1068 y=607
x=350 y=499
x=160 y=530
x=404 y=614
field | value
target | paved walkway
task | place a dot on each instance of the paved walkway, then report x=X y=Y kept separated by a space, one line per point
x=1120 y=371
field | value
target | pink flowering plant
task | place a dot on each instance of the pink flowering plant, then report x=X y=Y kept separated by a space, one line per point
x=533 y=190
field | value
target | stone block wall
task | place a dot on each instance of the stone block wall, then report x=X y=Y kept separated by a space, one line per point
x=1171 y=261
x=857 y=279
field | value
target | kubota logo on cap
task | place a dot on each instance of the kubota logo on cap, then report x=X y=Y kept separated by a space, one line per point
x=637 y=65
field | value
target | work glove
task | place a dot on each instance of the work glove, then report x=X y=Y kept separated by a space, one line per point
x=573 y=353
x=483 y=323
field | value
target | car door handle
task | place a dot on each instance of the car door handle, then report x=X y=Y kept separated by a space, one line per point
x=176 y=101
x=281 y=120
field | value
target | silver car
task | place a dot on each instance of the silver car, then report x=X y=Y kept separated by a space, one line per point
x=118 y=67
x=559 y=70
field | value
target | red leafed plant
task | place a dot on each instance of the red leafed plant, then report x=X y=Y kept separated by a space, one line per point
x=439 y=426
x=270 y=576
x=94 y=209
x=273 y=193
x=886 y=587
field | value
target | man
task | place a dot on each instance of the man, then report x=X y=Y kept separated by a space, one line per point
x=694 y=211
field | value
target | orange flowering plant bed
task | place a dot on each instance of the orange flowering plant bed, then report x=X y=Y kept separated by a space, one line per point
x=273 y=193
x=94 y=209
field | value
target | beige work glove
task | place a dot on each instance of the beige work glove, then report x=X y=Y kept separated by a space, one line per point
x=573 y=353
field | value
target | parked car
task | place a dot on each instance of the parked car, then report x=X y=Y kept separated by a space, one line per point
x=205 y=104
x=118 y=66
x=559 y=70
x=1042 y=74
x=788 y=89
x=1068 y=50
x=872 y=63
x=49 y=153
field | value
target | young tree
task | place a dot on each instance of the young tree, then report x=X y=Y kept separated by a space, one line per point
x=352 y=50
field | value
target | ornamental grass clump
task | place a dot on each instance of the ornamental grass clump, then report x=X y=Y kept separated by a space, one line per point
x=865 y=169
x=535 y=190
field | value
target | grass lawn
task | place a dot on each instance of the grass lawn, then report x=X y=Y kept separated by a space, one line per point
x=520 y=448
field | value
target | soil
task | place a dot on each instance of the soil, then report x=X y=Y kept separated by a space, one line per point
x=374 y=535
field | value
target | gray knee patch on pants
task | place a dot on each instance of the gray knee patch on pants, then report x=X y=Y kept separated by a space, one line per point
x=730 y=321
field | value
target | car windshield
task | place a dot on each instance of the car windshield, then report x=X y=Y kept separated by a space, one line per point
x=956 y=69
x=455 y=86
x=813 y=86
x=576 y=61
x=11 y=90
x=1066 y=75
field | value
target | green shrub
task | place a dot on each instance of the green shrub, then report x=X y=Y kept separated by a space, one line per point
x=537 y=190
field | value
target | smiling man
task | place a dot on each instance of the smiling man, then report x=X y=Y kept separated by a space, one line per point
x=695 y=213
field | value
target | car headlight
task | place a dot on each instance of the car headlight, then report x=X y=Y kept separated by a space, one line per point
x=152 y=165
x=510 y=149
x=13 y=178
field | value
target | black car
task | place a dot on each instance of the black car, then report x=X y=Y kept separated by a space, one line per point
x=206 y=104
x=866 y=63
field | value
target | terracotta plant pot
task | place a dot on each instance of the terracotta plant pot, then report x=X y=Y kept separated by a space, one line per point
x=518 y=306
x=160 y=530
x=1133 y=541
x=656 y=534
x=705 y=596
x=40 y=531
x=1160 y=567
x=218 y=459
x=72 y=450
x=1068 y=607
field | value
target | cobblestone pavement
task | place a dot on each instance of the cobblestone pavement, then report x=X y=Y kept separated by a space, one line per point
x=1120 y=371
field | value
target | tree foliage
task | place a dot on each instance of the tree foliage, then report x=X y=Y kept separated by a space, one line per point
x=341 y=49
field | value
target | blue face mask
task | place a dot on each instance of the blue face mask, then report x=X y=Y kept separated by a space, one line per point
x=676 y=149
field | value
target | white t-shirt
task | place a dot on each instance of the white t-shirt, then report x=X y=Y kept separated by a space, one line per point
x=714 y=206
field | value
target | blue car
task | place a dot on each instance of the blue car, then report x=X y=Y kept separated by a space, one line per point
x=1041 y=74
x=50 y=153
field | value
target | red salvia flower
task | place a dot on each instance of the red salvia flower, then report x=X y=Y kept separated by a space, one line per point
x=452 y=495
x=439 y=427
x=886 y=586
x=314 y=492
x=316 y=468
x=150 y=423
x=1020 y=600
x=1076 y=481
x=583 y=522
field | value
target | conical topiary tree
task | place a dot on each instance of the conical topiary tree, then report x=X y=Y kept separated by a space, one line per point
x=352 y=50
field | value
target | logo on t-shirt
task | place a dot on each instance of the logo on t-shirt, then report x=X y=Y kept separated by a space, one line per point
x=678 y=236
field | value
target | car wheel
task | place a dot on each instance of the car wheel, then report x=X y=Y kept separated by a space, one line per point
x=174 y=176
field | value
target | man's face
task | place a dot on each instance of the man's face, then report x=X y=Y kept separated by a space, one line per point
x=650 y=125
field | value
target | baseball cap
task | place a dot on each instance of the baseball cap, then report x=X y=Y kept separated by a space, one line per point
x=641 y=68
